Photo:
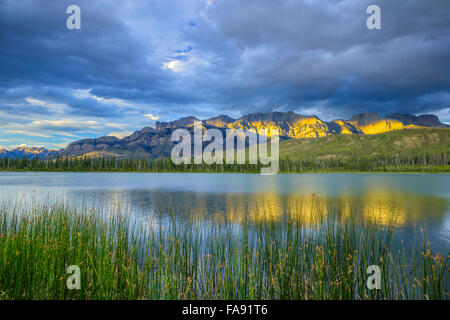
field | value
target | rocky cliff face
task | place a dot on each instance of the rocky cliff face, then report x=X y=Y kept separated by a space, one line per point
x=290 y=124
x=156 y=142
x=426 y=120
x=221 y=121
x=182 y=122
x=148 y=142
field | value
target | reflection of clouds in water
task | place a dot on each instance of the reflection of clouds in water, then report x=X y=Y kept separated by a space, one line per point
x=330 y=185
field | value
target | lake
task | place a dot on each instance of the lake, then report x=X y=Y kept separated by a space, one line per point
x=404 y=201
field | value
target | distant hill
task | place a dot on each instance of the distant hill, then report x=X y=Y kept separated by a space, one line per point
x=28 y=152
x=389 y=144
x=156 y=142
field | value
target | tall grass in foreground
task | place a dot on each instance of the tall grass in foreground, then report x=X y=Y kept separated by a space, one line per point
x=124 y=259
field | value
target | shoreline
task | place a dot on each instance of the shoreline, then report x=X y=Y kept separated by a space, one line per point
x=231 y=172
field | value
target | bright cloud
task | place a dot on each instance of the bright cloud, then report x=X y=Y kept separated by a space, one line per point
x=151 y=116
x=28 y=133
x=174 y=65
x=65 y=124
x=54 y=107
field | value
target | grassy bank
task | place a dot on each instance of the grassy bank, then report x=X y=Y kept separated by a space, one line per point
x=216 y=258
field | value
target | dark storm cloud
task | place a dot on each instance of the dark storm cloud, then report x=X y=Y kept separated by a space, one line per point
x=39 y=54
x=302 y=53
x=230 y=56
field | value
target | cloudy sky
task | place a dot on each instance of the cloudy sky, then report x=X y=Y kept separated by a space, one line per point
x=135 y=62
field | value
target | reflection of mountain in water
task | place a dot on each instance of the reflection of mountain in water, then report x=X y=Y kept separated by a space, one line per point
x=396 y=209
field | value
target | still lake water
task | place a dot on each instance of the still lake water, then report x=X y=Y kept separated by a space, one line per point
x=406 y=201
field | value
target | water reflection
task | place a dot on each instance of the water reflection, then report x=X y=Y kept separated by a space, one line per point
x=396 y=209
x=403 y=201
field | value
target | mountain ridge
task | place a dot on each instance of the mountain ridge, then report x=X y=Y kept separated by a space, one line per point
x=156 y=142
x=28 y=152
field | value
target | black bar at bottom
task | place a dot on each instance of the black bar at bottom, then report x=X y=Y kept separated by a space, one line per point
x=222 y=309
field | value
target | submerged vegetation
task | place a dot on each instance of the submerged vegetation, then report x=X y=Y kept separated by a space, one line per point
x=212 y=257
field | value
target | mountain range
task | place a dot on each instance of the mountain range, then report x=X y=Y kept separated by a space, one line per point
x=156 y=142
x=29 y=152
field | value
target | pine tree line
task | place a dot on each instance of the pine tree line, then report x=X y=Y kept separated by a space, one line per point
x=398 y=163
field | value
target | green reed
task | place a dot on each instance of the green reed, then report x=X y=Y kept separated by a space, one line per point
x=207 y=258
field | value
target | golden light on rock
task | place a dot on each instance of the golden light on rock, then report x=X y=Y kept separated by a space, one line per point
x=382 y=126
x=313 y=127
